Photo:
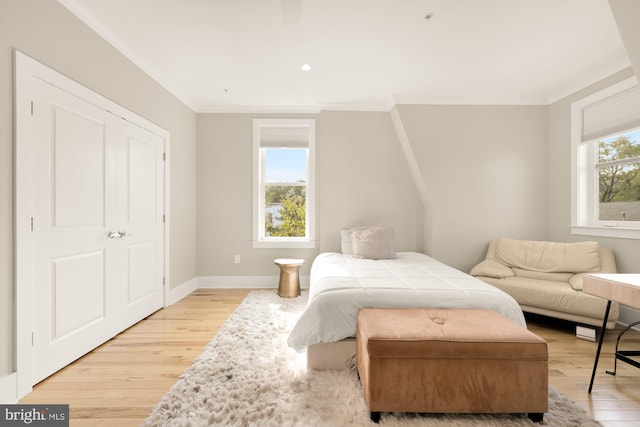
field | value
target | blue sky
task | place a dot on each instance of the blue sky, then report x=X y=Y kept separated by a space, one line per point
x=286 y=165
x=634 y=137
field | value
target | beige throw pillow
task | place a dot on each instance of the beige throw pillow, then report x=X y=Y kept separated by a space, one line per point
x=345 y=238
x=373 y=243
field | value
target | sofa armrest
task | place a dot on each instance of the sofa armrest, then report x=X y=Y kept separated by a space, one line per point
x=607 y=261
x=607 y=265
x=491 y=249
x=575 y=281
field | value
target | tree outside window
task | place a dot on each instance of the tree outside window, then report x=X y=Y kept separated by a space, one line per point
x=287 y=218
x=619 y=177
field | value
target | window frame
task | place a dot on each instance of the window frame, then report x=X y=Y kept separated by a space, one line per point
x=584 y=174
x=259 y=238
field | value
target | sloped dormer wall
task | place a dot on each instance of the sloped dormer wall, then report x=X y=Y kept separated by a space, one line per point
x=626 y=13
x=484 y=175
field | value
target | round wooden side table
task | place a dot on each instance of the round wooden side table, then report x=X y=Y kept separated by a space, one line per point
x=289 y=285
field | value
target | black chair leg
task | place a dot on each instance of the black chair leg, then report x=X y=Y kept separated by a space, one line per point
x=536 y=417
x=375 y=417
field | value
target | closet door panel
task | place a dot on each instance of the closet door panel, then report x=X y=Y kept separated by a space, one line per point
x=142 y=182
x=77 y=278
x=142 y=279
x=71 y=175
x=78 y=167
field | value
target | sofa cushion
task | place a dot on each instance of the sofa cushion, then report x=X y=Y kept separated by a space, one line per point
x=549 y=256
x=490 y=267
x=555 y=296
x=541 y=275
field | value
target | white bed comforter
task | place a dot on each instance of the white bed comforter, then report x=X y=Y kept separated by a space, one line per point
x=341 y=285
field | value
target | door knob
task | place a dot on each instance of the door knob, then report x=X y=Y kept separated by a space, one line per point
x=114 y=235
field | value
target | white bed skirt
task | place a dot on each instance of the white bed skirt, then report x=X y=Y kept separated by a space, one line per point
x=333 y=356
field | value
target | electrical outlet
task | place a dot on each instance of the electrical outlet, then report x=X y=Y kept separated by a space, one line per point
x=236 y=259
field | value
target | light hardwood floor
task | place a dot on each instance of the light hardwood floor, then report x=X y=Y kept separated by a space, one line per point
x=118 y=383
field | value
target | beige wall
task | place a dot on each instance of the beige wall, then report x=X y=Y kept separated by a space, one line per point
x=485 y=173
x=46 y=31
x=362 y=179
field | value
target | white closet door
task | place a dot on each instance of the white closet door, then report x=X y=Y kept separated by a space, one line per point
x=139 y=261
x=98 y=233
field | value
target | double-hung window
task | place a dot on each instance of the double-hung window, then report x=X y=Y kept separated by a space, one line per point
x=284 y=183
x=606 y=163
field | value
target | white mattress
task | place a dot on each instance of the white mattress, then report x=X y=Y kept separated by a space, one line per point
x=341 y=285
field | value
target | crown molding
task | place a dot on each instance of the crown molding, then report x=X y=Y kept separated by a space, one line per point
x=455 y=100
x=258 y=109
x=593 y=77
x=266 y=109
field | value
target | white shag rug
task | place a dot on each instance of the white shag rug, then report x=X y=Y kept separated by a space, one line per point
x=248 y=376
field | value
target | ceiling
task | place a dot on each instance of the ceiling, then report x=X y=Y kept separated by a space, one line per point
x=240 y=55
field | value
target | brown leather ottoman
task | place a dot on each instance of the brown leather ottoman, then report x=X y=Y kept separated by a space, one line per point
x=450 y=361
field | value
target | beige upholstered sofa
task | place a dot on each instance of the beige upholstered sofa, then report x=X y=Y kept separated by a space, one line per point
x=546 y=277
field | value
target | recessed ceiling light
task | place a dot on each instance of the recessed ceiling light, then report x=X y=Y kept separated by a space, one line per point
x=306 y=67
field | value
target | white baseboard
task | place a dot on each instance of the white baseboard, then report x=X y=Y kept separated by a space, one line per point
x=226 y=282
x=244 y=282
x=176 y=294
x=9 y=389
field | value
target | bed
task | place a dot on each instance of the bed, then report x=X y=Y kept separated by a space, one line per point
x=341 y=284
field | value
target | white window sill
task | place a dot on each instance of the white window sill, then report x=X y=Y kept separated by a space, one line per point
x=617 y=232
x=284 y=244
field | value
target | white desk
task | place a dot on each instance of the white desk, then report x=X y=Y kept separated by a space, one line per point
x=624 y=289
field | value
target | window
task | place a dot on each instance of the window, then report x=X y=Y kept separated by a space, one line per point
x=606 y=163
x=284 y=175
